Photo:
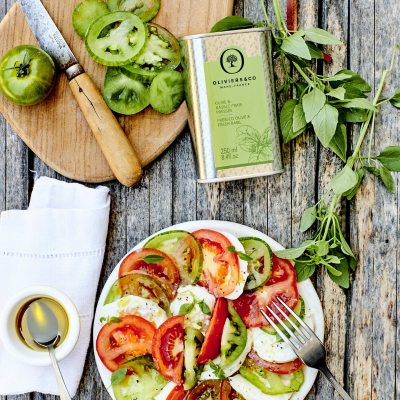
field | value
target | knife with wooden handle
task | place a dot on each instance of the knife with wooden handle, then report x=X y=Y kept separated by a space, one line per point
x=115 y=145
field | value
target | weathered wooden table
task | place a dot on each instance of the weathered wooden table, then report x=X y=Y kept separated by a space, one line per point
x=362 y=323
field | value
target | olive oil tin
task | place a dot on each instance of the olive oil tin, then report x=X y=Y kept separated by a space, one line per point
x=231 y=97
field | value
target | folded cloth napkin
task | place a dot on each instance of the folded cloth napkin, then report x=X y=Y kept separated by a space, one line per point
x=59 y=241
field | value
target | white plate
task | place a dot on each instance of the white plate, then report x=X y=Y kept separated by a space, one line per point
x=306 y=289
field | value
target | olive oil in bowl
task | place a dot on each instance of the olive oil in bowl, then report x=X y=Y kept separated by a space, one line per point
x=22 y=326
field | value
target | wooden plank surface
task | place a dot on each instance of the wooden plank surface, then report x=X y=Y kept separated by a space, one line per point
x=362 y=323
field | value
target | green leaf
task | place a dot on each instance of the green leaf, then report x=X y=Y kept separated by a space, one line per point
x=333 y=270
x=351 y=193
x=204 y=308
x=296 y=60
x=153 y=259
x=337 y=77
x=218 y=371
x=118 y=376
x=103 y=319
x=338 y=93
x=387 y=179
x=231 y=249
x=313 y=103
x=291 y=254
x=356 y=115
x=325 y=123
x=301 y=87
x=352 y=92
x=299 y=119
x=345 y=180
x=353 y=263
x=296 y=45
x=304 y=270
x=339 y=142
x=231 y=23
x=344 y=245
x=244 y=256
x=115 y=320
x=186 y=308
x=373 y=170
x=342 y=280
x=308 y=218
x=395 y=101
x=320 y=36
x=287 y=114
x=390 y=158
x=323 y=248
x=360 y=103
x=355 y=80
x=315 y=52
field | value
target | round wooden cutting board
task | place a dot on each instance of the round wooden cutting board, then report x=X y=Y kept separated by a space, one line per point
x=56 y=129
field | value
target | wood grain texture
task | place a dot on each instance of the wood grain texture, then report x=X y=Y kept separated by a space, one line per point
x=66 y=142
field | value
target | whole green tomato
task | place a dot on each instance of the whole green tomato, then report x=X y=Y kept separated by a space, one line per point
x=27 y=75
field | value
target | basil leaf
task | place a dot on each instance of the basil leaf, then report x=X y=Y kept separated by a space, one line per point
x=342 y=280
x=290 y=254
x=360 y=103
x=244 y=256
x=339 y=142
x=299 y=119
x=337 y=77
x=353 y=263
x=304 y=270
x=308 y=218
x=186 y=308
x=395 y=101
x=231 y=23
x=287 y=120
x=323 y=248
x=218 y=371
x=296 y=60
x=332 y=270
x=345 y=180
x=387 y=179
x=355 y=80
x=231 y=249
x=351 y=193
x=352 y=92
x=204 y=308
x=390 y=158
x=295 y=44
x=103 y=319
x=313 y=103
x=356 y=115
x=320 y=36
x=153 y=259
x=325 y=123
x=115 y=320
x=344 y=245
x=338 y=93
x=373 y=170
x=118 y=376
x=315 y=52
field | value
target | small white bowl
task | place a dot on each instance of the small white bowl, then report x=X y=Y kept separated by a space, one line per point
x=13 y=343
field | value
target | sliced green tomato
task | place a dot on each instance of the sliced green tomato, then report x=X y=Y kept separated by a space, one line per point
x=300 y=310
x=260 y=268
x=137 y=74
x=269 y=382
x=139 y=285
x=85 y=13
x=184 y=249
x=167 y=92
x=193 y=342
x=142 y=382
x=145 y=9
x=234 y=337
x=124 y=95
x=121 y=44
x=113 y=5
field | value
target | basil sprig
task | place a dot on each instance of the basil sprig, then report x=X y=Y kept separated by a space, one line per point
x=188 y=307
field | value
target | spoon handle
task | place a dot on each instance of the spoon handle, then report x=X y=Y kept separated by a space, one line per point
x=64 y=395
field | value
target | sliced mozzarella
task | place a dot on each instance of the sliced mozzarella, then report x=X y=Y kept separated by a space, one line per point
x=268 y=349
x=250 y=392
x=230 y=369
x=243 y=274
x=135 y=305
x=165 y=391
x=196 y=318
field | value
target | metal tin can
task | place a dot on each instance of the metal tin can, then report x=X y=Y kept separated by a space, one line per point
x=231 y=97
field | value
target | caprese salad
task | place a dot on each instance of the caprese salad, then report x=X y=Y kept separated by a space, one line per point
x=183 y=321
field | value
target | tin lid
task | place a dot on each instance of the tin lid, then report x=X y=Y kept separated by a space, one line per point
x=235 y=32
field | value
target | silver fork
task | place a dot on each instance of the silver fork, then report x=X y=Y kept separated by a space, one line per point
x=306 y=345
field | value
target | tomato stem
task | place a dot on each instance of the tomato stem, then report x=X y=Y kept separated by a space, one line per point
x=23 y=69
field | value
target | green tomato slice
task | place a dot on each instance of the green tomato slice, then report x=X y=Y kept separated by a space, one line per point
x=139 y=285
x=193 y=342
x=270 y=383
x=167 y=92
x=260 y=268
x=137 y=74
x=124 y=95
x=85 y=13
x=145 y=9
x=117 y=38
x=234 y=337
x=184 y=249
x=144 y=381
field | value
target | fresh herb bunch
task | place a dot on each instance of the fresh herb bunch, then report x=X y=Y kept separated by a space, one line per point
x=325 y=105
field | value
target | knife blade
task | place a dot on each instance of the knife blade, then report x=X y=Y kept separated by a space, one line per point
x=115 y=145
x=47 y=33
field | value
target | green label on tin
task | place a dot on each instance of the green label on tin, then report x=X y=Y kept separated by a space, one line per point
x=238 y=105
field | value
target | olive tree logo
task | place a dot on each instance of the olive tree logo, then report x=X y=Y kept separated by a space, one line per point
x=231 y=59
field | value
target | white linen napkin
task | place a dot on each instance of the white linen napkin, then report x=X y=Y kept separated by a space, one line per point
x=59 y=241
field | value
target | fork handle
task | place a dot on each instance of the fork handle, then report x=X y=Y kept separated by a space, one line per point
x=324 y=369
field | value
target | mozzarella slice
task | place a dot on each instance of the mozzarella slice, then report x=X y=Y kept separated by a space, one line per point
x=268 y=349
x=250 y=392
x=230 y=369
x=165 y=391
x=135 y=305
x=196 y=318
x=243 y=274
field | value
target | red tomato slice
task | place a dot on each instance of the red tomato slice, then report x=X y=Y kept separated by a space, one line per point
x=211 y=347
x=228 y=392
x=177 y=393
x=208 y=389
x=165 y=272
x=167 y=349
x=131 y=337
x=277 y=368
x=220 y=267
x=283 y=283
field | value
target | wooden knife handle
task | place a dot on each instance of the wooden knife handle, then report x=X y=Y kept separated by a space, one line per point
x=112 y=139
